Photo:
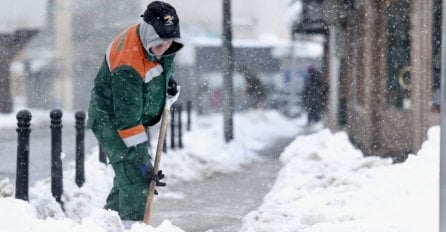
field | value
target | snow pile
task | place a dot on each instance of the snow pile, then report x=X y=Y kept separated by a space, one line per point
x=6 y=188
x=20 y=216
x=327 y=185
x=83 y=206
x=78 y=202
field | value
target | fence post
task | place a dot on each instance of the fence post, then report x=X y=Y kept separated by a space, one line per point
x=22 y=177
x=180 y=127
x=80 y=148
x=56 y=150
x=172 y=127
x=189 y=109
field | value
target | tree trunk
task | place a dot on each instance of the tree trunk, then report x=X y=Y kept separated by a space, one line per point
x=6 y=105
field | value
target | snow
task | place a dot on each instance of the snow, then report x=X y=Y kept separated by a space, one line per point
x=216 y=42
x=300 y=49
x=325 y=184
x=40 y=118
x=204 y=153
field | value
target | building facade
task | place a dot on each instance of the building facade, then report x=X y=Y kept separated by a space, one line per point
x=382 y=64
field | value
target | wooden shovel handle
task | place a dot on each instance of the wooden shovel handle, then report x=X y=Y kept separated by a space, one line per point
x=159 y=149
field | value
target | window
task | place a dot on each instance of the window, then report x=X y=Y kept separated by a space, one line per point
x=398 y=43
x=436 y=55
x=359 y=79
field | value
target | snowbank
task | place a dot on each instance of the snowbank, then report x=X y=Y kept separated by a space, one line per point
x=83 y=206
x=327 y=185
x=17 y=215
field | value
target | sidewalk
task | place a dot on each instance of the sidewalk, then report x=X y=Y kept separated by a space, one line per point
x=219 y=202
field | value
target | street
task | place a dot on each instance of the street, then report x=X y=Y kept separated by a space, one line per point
x=40 y=150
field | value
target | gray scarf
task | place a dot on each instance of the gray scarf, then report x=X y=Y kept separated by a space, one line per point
x=150 y=38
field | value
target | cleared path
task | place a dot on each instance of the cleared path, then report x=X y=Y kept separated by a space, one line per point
x=220 y=202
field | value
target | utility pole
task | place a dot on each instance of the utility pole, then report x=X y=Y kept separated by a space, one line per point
x=442 y=217
x=228 y=69
x=63 y=44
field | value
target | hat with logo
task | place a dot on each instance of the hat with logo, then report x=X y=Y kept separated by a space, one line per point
x=161 y=19
x=164 y=19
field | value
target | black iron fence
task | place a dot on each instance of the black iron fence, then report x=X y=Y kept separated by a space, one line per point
x=24 y=130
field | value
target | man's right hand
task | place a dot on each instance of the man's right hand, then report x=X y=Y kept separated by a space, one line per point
x=173 y=92
x=172 y=87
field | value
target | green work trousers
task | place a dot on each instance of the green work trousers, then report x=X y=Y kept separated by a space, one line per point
x=129 y=193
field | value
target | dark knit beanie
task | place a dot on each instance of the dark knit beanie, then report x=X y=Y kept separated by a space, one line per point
x=164 y=19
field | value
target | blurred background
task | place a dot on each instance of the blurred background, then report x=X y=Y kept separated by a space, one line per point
x=378 y=60
x=58 y=60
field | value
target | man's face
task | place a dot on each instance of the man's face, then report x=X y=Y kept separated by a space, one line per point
x=159 y=49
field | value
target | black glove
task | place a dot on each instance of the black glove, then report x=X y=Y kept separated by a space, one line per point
x=148 y=174
x=172 y=87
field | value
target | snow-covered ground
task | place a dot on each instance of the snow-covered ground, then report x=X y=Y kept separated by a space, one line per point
x=205 y=152
x=39 y=118
x=325 y=183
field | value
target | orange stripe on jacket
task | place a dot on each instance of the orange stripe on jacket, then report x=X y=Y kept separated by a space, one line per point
x=131 y=131
x=127 y=49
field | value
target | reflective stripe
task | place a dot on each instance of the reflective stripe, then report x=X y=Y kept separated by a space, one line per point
x=136 y=139
x=153 y=72
x=133 y=136
x=107 y=56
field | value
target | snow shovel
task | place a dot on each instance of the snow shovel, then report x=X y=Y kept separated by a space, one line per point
x=159 y=148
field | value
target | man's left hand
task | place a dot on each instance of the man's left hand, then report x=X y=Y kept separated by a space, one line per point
x=150 y=176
